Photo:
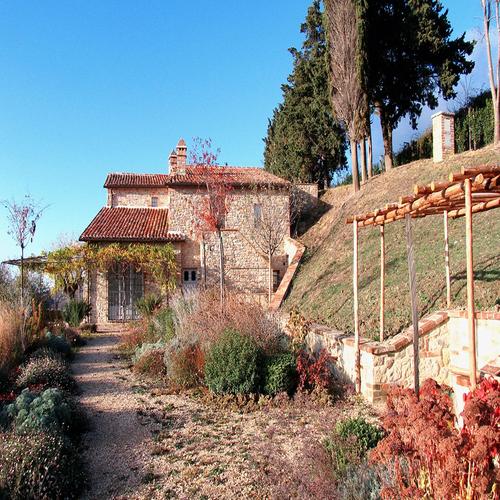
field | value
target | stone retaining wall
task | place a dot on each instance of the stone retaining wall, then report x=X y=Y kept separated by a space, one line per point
x=443 y=342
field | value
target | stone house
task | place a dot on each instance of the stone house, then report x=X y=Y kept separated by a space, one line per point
x=162 y=208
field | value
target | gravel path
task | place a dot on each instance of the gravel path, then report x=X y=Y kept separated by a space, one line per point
x=116 y=443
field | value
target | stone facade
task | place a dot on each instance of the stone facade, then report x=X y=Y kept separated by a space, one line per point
x=443 y=351
x=246 y=268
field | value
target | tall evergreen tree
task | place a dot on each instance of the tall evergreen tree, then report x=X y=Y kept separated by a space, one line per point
x=410 y=56
x=304 y=142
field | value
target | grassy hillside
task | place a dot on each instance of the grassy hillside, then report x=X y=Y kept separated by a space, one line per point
x=322 y=290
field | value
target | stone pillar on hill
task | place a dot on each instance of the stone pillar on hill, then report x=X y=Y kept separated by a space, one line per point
x=443 y=135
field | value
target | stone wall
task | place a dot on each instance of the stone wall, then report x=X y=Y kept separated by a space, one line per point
x=138 y=197
x=306 y=196
x=245 y=267
x=443 y=350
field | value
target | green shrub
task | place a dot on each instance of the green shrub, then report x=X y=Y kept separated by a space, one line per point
x=58 y=343
x=344 y=452
x=280 y=374
x=231 y=365
x=368 y=435
x=148 y=304
x=38 y=466
x=75 y=311
x=50 y=411
x=185 y=365
x=45 y=372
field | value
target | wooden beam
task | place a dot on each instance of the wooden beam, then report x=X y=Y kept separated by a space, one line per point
x=357 y=364
x=478 y=207
x=470 y=284
x=382 y=282
x=413 y=295
x=485 y=169
x=447 y=260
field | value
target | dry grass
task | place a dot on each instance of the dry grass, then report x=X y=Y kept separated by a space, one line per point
x=322 y=289
x=10 y=336
x=200 y=319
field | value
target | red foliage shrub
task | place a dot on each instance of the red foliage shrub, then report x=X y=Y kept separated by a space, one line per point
x=429 y=456
x=7 y=397
x=314 y=370
x=186 y=366
x=151 y=363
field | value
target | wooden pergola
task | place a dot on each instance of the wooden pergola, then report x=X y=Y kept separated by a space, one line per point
x=473 y=190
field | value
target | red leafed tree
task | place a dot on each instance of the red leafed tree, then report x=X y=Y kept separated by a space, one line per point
x=212 y=211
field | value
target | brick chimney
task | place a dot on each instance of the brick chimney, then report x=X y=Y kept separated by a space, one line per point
x=172 y=162
x=181 y=156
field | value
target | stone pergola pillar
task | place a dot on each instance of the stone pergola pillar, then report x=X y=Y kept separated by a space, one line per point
x=443 y=135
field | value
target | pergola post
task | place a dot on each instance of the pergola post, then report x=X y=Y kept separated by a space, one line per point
x=413 y=295
x=447 y=260
x=470 y=284
x=357 y=364
x=382 y=282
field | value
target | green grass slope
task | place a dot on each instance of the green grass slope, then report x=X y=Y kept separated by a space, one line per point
x=322 y=289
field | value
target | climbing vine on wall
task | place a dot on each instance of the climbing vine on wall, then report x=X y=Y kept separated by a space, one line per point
x=69 y=265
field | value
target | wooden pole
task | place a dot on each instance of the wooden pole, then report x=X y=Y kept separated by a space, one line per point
x=470 y=284
x=447 y=260
x=413 y=295
x=382 y=282
x=357 y=364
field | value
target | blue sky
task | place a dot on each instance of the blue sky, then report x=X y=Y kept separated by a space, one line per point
x=93 y=86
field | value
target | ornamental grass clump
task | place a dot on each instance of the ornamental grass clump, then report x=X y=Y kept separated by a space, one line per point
x=150 y=363
x=45 y=372
x=38 y=465
x=11 y=338
x=185 y=366
x=232 y=364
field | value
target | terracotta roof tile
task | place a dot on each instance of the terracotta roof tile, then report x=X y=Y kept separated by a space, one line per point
x=238 y=176
x=130 y=224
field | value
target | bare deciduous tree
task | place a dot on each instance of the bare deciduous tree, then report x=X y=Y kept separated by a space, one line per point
x=347 y=96
x=491 y=8
x=269 y=227
x=22 y=219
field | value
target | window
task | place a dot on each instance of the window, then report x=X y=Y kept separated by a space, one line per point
x=190 y=276
x=154 y=201
x=276 y=279
x=257 y=214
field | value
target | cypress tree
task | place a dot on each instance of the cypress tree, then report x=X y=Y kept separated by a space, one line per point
x=410 y=57
x=304 y=142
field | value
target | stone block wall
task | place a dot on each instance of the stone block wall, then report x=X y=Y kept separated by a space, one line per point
x=138 y=197
x=443 y=343
x=245 y=267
